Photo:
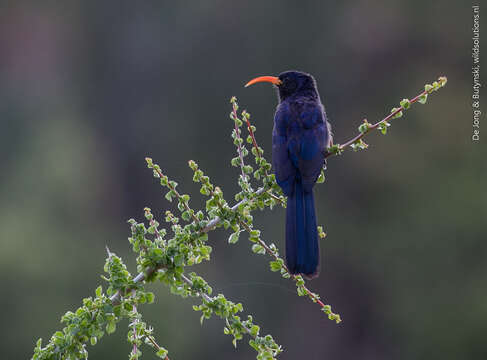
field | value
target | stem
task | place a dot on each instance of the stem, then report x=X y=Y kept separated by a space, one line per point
x=210 y=226
x=257 y=152
x=237 y=138
x=134 y=309
x=208 y=299
x=178 y=195
x=295 y=277
x=251 y=132
x=442 y=80
x=151 y=339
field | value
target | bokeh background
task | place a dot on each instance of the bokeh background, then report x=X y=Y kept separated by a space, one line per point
x=89 y=88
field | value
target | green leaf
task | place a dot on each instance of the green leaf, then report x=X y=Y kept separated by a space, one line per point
x=254 y=330
x=275 y=266
x=233 y=239
x=359 y=145
x=192 y=164
x=111 y=327
x=186 y=216
x=301 y=291
x=335 y=149
x=422 y=99
x=321 y=178
x=169 y=195
x=150 y=297
x=178 y=260
x=164 y=180
x=162 y=353
x=405 y=103
x=255 y=233
x=258 y=249
x=383 y=127
x=364 y=127
x=398 y=114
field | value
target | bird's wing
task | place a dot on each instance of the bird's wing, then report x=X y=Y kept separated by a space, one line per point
x=313 y=140
x=284 y=168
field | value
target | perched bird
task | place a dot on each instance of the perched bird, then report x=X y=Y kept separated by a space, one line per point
x=300 y=138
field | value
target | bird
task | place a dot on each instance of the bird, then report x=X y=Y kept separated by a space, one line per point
x=300 y=138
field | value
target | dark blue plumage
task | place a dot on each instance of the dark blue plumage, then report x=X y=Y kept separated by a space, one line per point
x=300 y=137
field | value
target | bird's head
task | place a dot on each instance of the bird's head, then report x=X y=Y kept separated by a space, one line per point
x=290 y=83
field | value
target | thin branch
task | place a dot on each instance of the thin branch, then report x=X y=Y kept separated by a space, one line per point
x=134 y=328
x=209 y=299
x=178 y=195
x=237 y=139
x=251 y=132
x=151 y=339
x=210 y=226
x=428 y=90
x=296 y=278
x=246 y=116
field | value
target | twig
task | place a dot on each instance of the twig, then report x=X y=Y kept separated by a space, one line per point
x=134 y=328
x=428 y=90
x=237 y=139
x=208 y=299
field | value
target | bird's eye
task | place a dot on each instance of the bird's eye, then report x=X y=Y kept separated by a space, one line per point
x=289 y=84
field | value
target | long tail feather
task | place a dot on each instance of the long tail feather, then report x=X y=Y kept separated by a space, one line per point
x=302 y=249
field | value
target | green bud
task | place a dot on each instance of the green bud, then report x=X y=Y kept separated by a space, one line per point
x=335 y=149
x=164 y=180
x=233 y=239
x=442 y=80
x=359 y=145
x=321 y=177
x=405 y=103
x=186 y=216
x=275 y=266
x=398 y=113
x=192 y=164
x=383 y=127
x=161 y=353
x=150 y=297
x=258 y=249
x=422 y=99
x=364 y=127
x=111 y=327
x=321 y=233
x=169 y=195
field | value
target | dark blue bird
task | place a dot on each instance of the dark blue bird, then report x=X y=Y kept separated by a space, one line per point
x=300 y=138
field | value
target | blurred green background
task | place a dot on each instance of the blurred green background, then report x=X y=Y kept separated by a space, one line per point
x=89 y=88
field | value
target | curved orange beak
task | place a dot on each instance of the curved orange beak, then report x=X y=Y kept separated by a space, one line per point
x=272 y=79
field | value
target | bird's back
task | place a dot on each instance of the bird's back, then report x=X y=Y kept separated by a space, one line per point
x=300 y=138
